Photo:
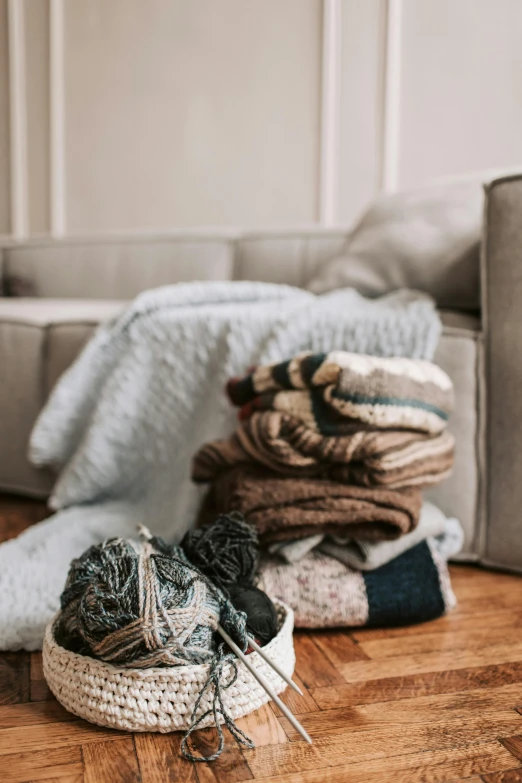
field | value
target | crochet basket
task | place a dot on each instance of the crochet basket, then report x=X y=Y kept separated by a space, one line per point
x=159 y=699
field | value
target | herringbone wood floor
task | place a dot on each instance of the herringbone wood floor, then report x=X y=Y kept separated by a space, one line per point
x=436 y=702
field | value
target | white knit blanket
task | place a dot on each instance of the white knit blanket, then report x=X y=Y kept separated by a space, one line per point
x=124 y=421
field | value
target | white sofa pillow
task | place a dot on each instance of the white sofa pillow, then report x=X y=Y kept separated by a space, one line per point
x=424 y=239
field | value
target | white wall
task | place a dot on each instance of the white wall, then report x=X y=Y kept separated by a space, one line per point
x=143 y=114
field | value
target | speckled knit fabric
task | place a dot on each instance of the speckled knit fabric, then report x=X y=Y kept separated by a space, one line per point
x=289 y=508
x=283 y=443
x=326 y=389
x=325 y=593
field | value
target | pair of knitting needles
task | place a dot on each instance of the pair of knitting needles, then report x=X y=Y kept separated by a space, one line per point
x=145 y=533
x=261 y=680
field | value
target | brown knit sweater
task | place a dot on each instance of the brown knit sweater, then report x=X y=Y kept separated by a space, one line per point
x=289 y=508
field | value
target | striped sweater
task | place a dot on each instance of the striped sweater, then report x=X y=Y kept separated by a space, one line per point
x=330 y=392
x=393 y=458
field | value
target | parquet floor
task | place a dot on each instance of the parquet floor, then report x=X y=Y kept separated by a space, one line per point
x=436 y=702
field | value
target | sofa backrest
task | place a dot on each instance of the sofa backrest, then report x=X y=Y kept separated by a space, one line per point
x=122 y=267
x=427 y=238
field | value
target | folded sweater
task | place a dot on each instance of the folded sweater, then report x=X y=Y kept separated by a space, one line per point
x=445 y=534
x=286 y=445
x=331 y=391
x=325 y=593
x=289 y=508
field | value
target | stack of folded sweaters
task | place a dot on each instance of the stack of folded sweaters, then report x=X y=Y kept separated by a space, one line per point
x=329 y=463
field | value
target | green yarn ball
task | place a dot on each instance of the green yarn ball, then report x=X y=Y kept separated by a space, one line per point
x=131 y=605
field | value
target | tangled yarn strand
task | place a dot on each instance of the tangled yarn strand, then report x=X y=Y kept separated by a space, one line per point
x=217 y=709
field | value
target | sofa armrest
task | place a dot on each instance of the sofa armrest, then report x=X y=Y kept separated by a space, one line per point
x=502 y=319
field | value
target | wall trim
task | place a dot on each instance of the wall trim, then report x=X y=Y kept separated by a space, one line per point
x=57 y=118
x=330 y=113
x=392 y=97
x=18 y=120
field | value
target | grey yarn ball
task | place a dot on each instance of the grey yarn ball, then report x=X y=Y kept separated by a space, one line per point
x=131 y=605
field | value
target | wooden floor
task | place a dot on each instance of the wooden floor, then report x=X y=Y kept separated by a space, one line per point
x=436 y=702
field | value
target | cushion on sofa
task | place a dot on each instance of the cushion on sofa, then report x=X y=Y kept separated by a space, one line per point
x=39 y=339
x=286 y=257
x=460 y=354
x=113 y=268
x=425 y=239
x=502 y=272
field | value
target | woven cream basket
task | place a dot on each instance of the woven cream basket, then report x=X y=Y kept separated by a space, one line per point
x=158 y=699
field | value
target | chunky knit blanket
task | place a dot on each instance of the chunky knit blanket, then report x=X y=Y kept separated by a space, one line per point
x=366 y=457
x=332 y=391
x=124 y=421
x=324 y=593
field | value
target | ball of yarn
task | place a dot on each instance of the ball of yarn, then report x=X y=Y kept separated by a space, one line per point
x=226 y=551
x=128 y=604
x=261 y=615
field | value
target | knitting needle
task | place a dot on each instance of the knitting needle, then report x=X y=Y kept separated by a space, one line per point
x=145 y=532
x=254 y=645
x=264 y=684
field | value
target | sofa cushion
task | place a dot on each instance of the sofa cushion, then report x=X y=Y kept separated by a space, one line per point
x=460 y=354
x=38 y=340
x=287 y=257
x=502 y=259
x=114 y=268
x=425 y=239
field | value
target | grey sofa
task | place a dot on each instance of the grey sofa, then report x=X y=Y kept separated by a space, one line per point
x=58 y=291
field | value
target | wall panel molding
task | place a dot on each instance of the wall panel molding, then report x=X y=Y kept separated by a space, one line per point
x=330 y=113
x=57 y=119
x=18 y=120
x=115 y=117
x=37 y=97
x=362 y=101
x=183 y=114
x=392 y=96
x=5 y=147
